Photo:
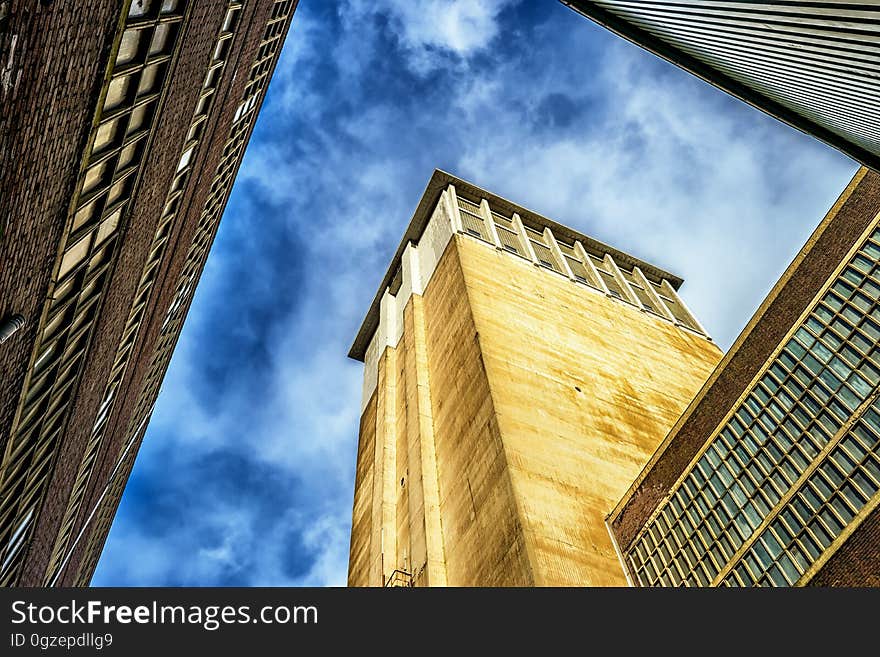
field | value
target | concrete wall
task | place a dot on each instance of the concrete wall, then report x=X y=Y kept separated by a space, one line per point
x=584 y=389
x=511 y=415
x=431 y=473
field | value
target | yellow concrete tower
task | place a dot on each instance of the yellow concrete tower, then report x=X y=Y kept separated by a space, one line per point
x=517 y=377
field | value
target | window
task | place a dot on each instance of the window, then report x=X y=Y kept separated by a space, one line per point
x=542 y=249
x=118 y=93
x=185 y=159
x=545 y=256
x=140 y=118
x=130 y=155
x=608 y=278
x=678 y=311
x=220 y=49
x=108 y=226
x=577 y=267
x=212 y=77
x=97 y=176
x=16 y=540
x=151 y=78
x=195 y=132
x=639 y=290
x=472 y=219
x=140 y=8
x=74 y=255
x=129 y=46
x=107 y=135
x=205 y=102
x=816 y=383
x=230 y=21
x=119 y=191
x=162 y=39
x=508 y=235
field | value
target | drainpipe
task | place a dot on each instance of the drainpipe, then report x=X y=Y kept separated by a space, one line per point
x=9 y=326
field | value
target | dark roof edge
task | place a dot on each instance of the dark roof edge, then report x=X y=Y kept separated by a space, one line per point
x=725 y=83
x=438 y=182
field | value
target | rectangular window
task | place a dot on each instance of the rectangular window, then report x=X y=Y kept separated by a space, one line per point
x=151 y=79
x=472 y=219
x=230 y=21
x=163 y=39
x=508 y=235
x=107 y=135
x=119 y=93
x=141 y=8
x=185 y=159
x=74 y=255
x=130 y=155
x=130 y=47
x=678 y=311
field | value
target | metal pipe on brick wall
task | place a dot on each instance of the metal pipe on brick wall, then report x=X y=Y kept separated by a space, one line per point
x=9 y=326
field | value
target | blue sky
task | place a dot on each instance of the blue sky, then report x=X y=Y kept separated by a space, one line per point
x=246 y=473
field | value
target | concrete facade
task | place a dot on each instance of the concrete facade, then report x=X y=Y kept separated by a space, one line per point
x=507 y=403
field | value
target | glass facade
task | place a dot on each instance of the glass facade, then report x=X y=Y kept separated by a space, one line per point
x=794 y=462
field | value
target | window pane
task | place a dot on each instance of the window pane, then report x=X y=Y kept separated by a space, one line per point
x=108 y=226
x=85 y=215
x=150 y=79
x=185 y=158
x=119 y=191
x=95 y=175
x=129 y=155
x=129 y=46
x=140 y=8
x=106 y=135
x=117 y=93
x=161 y=39
x=75 y=255
x=140 y=118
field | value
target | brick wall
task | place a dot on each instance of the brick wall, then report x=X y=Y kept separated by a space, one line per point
x=61 y=51
x=251 y=27
x=52 y=58
x=857 y=561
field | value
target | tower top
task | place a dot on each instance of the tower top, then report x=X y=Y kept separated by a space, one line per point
x=440 y=181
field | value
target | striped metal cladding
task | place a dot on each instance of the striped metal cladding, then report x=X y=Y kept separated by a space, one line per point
x=813 y=65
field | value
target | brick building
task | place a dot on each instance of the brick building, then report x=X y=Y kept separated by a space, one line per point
x=772 y=475
x=122 y=126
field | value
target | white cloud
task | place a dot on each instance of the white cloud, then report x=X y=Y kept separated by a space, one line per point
x=677 y=175
x=430 y=29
